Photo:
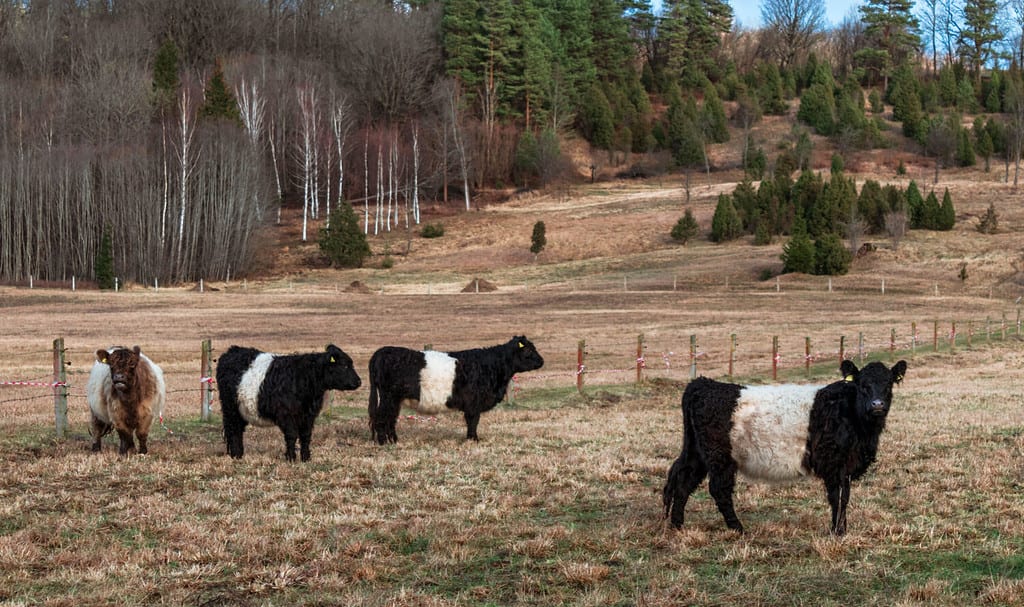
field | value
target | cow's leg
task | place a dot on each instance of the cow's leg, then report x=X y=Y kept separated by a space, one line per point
x=838 y=491
x=686 y=474
x=142 y=442
x=721 y=484
x=98 y=429
x=142 y=433
x=472 y=419
x=381 y=424
x=305 y=436
x=234 y=431
x=127 y=442
x=291 y=436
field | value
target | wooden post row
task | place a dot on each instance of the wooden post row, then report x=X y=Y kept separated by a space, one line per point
x=639 y=359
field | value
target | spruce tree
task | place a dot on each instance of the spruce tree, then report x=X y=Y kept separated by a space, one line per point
x=219 y=100
x=725 y=225
x=930 y=219
x=165 y=75
x=104 y=264
x=685 y=229
x=947 y=214
x=915 y=206
x=817 y=109
x=342 y=240
x=798 y=252
x=965 y=149
x=830 y=256
x=712 y=116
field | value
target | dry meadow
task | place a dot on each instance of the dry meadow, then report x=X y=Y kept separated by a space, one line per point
x=559 y=503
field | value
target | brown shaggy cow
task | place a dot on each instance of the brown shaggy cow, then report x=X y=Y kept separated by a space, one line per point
x=126 y=389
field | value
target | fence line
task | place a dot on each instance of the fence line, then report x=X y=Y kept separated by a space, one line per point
x=641 y=364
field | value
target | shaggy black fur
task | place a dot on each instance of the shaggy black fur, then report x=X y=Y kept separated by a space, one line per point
x=481 y=380
x=291 y=395
x=845 y=423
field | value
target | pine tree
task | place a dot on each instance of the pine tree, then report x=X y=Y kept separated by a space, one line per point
x=817 y=109
x=798 y=252
x=104 y=264
x=712 y=116
x=596 y=117
x=965 y=149
x=685 y=229
x=525 y=165
x=930 y=219
x=889 y=26
x=725 y=225
x=342 y=240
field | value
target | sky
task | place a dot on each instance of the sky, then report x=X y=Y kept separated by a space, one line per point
x=748 y=12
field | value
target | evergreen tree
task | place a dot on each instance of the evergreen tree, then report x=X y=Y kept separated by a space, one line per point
x=712 y=116
x=725 y=225
x=526 y=163
x=817 y=109
x=965 y=149
x=889 y=26
x=989 y=224
x=966 y=99
x=104 y=263
x=906 y=101
x=219 y=101
x=685 y=229
x=947 y=214
x=872 y=207
x=984 y=145
x=798 y=253
x=597 y=123
x=692 y=31
x=770 y=94
x=993 y=94
x=745 y=201
x=930 y=219
x=947 y=86
x=763 y=234
x=830 y=256
x=538 y=239
x=915 y=205
x=342 y=240
x=979 y=34
x=165 y=75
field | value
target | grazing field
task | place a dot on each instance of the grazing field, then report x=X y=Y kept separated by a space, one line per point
x=559 y=503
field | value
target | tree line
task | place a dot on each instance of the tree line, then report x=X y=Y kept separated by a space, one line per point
x=178 y=129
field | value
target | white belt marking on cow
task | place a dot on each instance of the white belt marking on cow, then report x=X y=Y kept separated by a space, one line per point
x=249 y=389
x=769 y=431
x=436 y=380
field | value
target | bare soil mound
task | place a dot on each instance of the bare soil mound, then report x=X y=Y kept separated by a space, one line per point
x=479 y=285
x=358 y=287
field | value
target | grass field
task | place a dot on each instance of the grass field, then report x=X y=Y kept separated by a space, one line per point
x=559 y=503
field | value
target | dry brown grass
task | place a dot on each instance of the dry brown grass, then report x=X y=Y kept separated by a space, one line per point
x=560 y=501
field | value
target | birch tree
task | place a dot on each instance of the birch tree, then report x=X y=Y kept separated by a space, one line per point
x=187 y=157
x=307 y=106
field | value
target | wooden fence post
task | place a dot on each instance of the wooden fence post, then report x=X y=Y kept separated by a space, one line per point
x=579 y=365
x=935 y=336
x=693 y=358
x=842 y=349
x=807 y=357
x=775 y=357
x=60 y=388
x=206 y=379
x=732 y=352
x=913 y=339
x=952 y=337
x=892 y=345
x=860 y=347
x=970 y=332
x=640 y=363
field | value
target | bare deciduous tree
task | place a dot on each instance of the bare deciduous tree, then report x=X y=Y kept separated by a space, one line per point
x=793 y=27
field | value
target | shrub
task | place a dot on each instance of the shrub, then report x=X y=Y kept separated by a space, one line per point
x=685 y=229
x=538 y=240
x=989 y=223
x=946 y=217
x=342 y=240
x=432 y=230
x=830 y=256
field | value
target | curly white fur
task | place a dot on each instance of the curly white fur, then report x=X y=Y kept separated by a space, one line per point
x=769 y=431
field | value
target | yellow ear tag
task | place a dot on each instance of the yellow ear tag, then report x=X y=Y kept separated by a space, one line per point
x=332 y=359
x=848 y=378
x=104 y=361
x=521 y=345
x=899 y=378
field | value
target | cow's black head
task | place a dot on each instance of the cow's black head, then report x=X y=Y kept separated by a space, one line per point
x=874 y=385
x=339 y=374
x=524 y=355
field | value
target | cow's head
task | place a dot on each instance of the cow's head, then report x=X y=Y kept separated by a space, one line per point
x=123 y=364
x=874 y=385
x=339 y=374
x=524 y=355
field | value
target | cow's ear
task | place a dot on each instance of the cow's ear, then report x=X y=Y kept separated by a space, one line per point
x=137 y=350
x=848 y=370
x=898 y=371
x=101 y=355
